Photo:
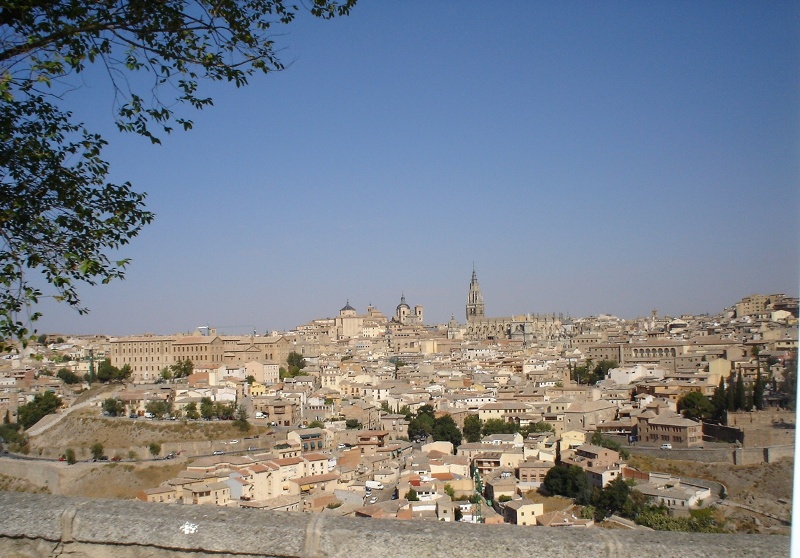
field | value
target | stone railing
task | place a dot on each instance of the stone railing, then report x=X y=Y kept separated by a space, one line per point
x=50 y=526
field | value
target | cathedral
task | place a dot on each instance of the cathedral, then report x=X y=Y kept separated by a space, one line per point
x=536 y=329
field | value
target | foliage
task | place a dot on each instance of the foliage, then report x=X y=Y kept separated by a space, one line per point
x=445 y=430
x=696 y=406
x=570 y=482
x=250 y=379
x=155 y=448
x=13 y=436
x=759 y=388
x=241 y=419
x=788 y=387
x=206 y=408
x=499 y=426
x=68 y=376
x=69 y=455
x=113 y=407
x=352 y=424
x=106 y=372
x=699 y=521
x=42 y=404
x=472 y=428
x=612 y=498
x=191 y=411
x=58 y=214
x=412 y=496
x=421 y=426
x=588 y=374
x=539 y=427
x=316 y=424
x=449 y=490
x=599 y=440
x=165 y=374
x=182 y=369
x=96 y=450
x=160 y=409
x=504 y=498
x=296 y=363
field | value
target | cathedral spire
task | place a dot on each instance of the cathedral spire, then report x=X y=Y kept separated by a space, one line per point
x=474 y=299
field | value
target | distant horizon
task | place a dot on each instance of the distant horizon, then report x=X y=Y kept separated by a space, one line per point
x=220 y=330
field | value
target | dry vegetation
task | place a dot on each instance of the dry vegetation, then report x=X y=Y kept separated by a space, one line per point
x=118 y=435
x=116 y=480
x=766 y=487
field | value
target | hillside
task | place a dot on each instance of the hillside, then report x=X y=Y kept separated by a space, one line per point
x=119 y=436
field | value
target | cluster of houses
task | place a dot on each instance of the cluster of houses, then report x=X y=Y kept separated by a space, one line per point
x=372 y=372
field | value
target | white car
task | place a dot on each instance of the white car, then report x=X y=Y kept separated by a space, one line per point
x=234 y=442
x=666 y=446
x=373 y=499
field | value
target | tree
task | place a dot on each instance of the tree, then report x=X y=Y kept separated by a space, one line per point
x=43 y=404
x=696 y=406
x=155 y=448
x=159 y=408
x=191 y=411
x=165 y=374
x=182 y=369
x=206 y=408
x=241 y=419
x=295 y=362
x=445 y=429
x=97 y=450
x=58 y=214
x=472 y=428
x=720 y=401
x=499 y=426
x=571 y=481
x=758 y=391
x=412 y=496
x=352 y=424
x=113 y=407
x=612 y=498
x=106 y=371
x=449 y=490
x=740 y=396
x=421 y=426
x=68 y=376
x=69 y=455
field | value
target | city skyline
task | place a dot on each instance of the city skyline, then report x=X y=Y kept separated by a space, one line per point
x=585 y=159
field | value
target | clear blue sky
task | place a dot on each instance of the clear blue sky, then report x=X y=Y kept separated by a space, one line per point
x=585 y=157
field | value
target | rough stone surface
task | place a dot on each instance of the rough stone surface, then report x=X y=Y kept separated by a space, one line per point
x=40 y=525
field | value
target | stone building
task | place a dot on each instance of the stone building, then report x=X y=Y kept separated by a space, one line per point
x=544 y=328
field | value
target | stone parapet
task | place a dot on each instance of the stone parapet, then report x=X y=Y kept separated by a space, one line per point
x=48 y=526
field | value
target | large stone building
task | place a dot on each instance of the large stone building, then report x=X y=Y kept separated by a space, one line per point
x=539 y=328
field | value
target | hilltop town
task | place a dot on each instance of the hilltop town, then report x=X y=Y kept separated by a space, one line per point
x=381 y=416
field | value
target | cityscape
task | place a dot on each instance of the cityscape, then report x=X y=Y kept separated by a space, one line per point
x=512 y=277
x=533 y=420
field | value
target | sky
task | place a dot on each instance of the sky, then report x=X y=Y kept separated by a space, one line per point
x=582 y=157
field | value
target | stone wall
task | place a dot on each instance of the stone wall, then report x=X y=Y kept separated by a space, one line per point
x=49 y=526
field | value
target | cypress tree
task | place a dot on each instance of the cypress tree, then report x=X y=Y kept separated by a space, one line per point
x=719 y=399
x=740 y=400
x=758 y=392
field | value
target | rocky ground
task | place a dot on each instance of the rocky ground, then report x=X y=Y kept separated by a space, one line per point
x=766 y=487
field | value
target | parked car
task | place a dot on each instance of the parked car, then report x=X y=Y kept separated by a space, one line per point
x=234 y=442
x=218 y=452
x=666 y=446
x=373 y=499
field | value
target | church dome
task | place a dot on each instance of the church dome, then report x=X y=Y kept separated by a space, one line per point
x=347 y=307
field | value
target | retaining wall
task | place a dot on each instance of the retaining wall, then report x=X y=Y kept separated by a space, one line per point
x=50 y=526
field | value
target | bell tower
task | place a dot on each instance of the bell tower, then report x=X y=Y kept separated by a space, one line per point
x=474 y=300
